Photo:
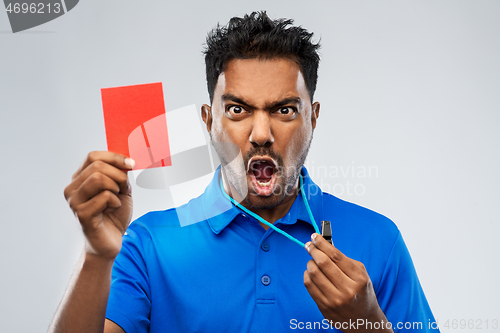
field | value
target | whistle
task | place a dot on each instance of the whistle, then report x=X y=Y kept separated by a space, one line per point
x=326 y=231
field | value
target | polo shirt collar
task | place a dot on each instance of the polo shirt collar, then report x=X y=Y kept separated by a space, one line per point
x=314 y=197
x=219 y=211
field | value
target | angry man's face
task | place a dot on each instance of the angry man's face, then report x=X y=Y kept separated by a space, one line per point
x=261 y=106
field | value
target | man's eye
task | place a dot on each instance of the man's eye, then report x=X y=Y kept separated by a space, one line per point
x=285 y=110
x=236 y=109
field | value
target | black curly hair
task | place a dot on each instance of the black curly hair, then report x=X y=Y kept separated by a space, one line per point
x=258 y=36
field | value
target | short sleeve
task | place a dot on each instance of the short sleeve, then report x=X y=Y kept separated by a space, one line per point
x=129 y=303
x=400 y=294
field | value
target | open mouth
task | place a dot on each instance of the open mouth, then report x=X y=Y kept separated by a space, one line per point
x=262 y=171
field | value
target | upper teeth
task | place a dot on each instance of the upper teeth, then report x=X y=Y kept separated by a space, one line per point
x=264 y=184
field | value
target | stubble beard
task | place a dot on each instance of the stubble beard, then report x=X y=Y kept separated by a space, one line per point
x=236 y=175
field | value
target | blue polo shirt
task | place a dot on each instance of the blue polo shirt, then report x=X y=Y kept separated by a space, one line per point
x=225 y=273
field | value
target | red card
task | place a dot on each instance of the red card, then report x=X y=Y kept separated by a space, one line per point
x=136 y=124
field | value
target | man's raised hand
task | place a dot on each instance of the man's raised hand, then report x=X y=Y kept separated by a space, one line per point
x=100 y=197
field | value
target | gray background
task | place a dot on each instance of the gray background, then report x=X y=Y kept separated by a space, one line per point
x=410 y=88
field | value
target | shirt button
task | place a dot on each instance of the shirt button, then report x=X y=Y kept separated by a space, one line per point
x=245 y=216
x=266 y=280
x=265 y=246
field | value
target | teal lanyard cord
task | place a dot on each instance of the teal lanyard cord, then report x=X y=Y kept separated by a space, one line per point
x=315 y=225
x=270 y=225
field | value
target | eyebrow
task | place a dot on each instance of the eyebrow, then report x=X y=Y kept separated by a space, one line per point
x=272 y=105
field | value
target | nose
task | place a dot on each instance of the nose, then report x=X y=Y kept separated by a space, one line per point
x=261 y=134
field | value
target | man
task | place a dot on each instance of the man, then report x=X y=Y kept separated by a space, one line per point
x=231 y=272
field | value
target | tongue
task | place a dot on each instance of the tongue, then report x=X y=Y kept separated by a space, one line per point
x=263 y=171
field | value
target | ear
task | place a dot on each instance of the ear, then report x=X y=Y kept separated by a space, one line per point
x=314 y=114
x=206 y=115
